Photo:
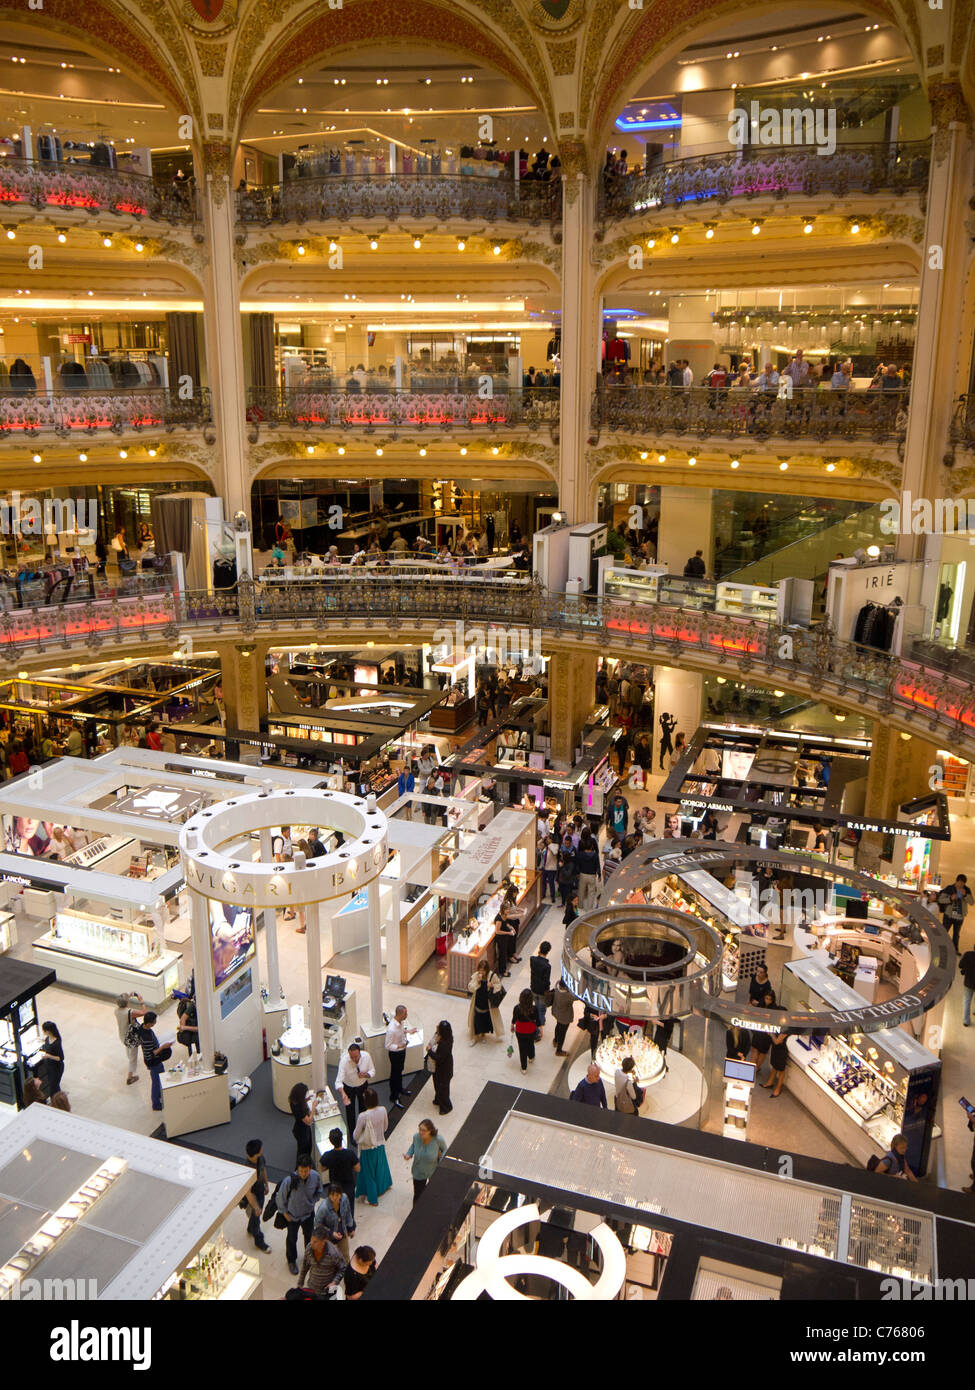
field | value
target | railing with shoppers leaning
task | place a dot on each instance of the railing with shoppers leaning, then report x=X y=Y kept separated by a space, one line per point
x=71 y=412
x=749 y=173
x=924 y=697
x=396 y=197
x=730 y=411
x=459 y=402
x=41 y=184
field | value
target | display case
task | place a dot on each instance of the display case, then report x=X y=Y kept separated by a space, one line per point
x=681 y=591
x=638 y=586
x=748 y=600
x=109 y=956
x=8 y=932
x=863 y=1087
x=743 y=929
x=20 y=1043
x=217 y=1273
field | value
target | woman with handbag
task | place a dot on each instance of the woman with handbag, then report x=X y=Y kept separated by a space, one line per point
x=303 y=1128
x=370 y=1137
x=50 y=1068
x=440 y=1059
x=155 y=1055
x=188 y=1032
x=629 y=1096
x=524 y=1025
x=487 y=994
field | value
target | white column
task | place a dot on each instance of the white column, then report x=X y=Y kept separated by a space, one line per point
x=394 y=965
x=313 y=944
x=578 y=338
x=270 y=929
x=375 y=957
x=677 y=693
x=200 y=939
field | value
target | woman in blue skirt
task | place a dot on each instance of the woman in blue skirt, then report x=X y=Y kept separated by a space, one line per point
x=370 y=1136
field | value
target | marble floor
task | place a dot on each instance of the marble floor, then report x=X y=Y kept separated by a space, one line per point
x=95 y=1065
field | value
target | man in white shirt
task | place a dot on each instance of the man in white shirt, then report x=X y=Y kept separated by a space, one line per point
x=688 y=375
x=396 y=1047
x=354 y=1073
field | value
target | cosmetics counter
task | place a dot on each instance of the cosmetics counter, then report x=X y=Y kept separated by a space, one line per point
x=20 y=1031
x=109 y=956
x=863 y=1087
x=655 y=585
x=729 y=911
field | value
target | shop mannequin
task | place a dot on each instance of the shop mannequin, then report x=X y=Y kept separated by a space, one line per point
x=667 y=726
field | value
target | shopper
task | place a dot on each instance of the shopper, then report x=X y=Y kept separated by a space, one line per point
x=590 y=1090
x=895 y=1161
x=59 y=1101
x=629 y=1096
x=487 y=993
x=359 y=1271
x=440 y=1058
x=617 y=816
x=396 y=1040
x=33 y=1092
x=954 y=902
x=590 y=870
x=255 y=1195
x=758 y=986
x=426 y=1150
x=303 y=1126
x=188 y=1030
x=154 y=1055
x=298 y=1196
x=550 y=864
x=695 y=567
x=540 y=981
x=322 y=1266
x=971 y=1186
x=524 y=1025
x=566 y=873
x=352 y=1077
x=50 y=1068
x=563 y=1011
x=370 y=1138
x=778 y=1061
x=762 y=1040
x=571 y=910
x=336 y=1214
x=129 y=1007
x=967 y=967
x=341 y=1165
x=505 y=936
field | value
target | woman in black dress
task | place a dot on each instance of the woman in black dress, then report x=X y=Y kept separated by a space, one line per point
x=303 y=1127
x=441 y=1054
x=778 y=1061
x=737 y=1043
x=49 y=1069
x=762 y=1042
x=358 y=1272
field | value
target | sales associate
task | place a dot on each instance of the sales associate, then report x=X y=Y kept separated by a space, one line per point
x=354 y=1073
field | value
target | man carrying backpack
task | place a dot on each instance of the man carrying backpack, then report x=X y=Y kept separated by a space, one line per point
x=298 y=1196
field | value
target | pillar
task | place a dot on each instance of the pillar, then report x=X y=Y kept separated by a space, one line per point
x=677 y=693
x=944 y=263
x=200 y=941
x=270 y=928
x=375 y=958
x=579 y=331
x=686 y=524
x=223 y=328
x=691 y=334
x=571 y=696
x=242 y=675
x=900 y=769
x=316 y=1023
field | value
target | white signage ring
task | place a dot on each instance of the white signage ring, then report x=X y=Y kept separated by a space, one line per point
x=216 y=866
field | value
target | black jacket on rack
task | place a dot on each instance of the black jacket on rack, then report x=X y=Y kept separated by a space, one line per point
x=21 y=377
x=874 y=626
x=73 y=376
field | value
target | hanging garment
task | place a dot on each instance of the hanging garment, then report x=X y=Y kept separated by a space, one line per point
x=73 y=377
x=944 y=602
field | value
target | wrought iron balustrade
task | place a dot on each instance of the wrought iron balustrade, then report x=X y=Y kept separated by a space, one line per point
x=963 y=423
x=768 y=172
x=703 y=412
x=440 y=405
x=28 y=413
x=402 y=197
x=40 y=184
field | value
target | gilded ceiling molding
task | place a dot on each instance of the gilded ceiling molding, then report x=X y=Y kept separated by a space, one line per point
x=320 y=31
x=519 y=250
x=561 y=16
x=935 y=57
x=213 y=58
x=856 y=467
x=195 y=258
x=563 y=59
x=218 y=161
x=949 y=107
x=209 y=16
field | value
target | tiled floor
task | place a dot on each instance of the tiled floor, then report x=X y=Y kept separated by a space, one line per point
x=95 y=1070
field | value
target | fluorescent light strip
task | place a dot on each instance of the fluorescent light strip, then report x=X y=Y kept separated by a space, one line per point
x=359 y=306
x=69 y=305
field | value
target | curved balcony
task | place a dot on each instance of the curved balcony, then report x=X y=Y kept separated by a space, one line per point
x=454 y=403
x=100 y=412
x=42 y=185
x=706 y=413
x=904 y=693
x=962 y=432
x=796 y=169
x=402 y=198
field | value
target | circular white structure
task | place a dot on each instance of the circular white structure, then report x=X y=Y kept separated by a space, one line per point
x=646 y=1054
x=208 y=841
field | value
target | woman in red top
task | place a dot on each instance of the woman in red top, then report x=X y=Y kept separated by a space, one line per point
x=524 y=1025
x=154 y=738
x=18 y=761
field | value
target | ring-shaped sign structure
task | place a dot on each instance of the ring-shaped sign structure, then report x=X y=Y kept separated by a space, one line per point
x=492 y=1270
x=216 y=865
x=661 y=858
x=668 y=990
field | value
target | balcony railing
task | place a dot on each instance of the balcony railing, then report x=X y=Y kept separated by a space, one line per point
x=96 y=412
x=963 y=423
x=705 y=413
x=925 y=698
x=796 y=169
x=39 y=184
x=456 y=402
x=402 y=197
